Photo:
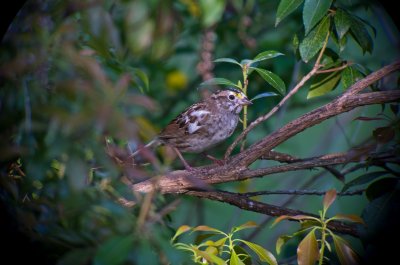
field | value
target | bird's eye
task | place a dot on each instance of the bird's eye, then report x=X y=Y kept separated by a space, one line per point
x=231 y=97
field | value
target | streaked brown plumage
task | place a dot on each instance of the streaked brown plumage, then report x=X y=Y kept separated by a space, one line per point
x=204 y=124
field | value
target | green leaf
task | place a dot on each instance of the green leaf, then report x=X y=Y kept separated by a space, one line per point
x=243 y=255
x=285 y=8
x=307 y=251
x=342 y=22
x=314 y=41
x=212 y=11
x=324 y=83
x=274 y=80
x=209 y=257
x=262 y=253
x=350 y=75
x=299 y=217
x=113 y=251
x=142 y=76
x=234 y=260
x=329 y=198
x=348 y=217
x=227 y=60
x=266 y=55
x=218 y=81
x=295 y=43
x=345 y=253
x=202 y=237
x=313 y=12
x=246 y=225
x=280 y=242
x=361 y=35
x=264 y=95
x=182 y=229
x=246 y=62
x=364 y=179
x=381 y=187
x=205 y=228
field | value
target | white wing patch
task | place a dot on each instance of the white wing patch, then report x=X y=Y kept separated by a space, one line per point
x=193 y=127
x=200 y=115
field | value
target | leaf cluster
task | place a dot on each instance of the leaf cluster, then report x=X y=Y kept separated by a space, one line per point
x=225 y=249
x=310 y=249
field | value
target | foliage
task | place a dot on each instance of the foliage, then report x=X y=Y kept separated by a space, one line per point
x=309 y=250
x=84 y=83
x=206 y=251
x=249 y=66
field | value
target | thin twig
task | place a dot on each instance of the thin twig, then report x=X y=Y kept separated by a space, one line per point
x=259 y=120
x=300 y=192
x=334 y=69
x=245 y=203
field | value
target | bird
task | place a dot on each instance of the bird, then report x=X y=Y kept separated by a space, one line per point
x=203 y=125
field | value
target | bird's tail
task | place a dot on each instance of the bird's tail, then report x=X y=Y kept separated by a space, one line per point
x=155 y=142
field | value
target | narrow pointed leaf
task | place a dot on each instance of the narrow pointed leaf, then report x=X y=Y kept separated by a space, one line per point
x=345 y=253
x=285 y=8
x=294 y=217
x=266 y=55
x=361 y=35
x=329 y=198
x=246 y=62
x=114 y=251
x=280 y=242
x=350 y=75
x=209 y=257
x=249 y=224
x=324 y=83
x=307 y=251
x=363 y=179
x=218 y=81
x=381 y=187
x=262 y=253
x=142 y=76
x=314 y=11
x=348 y=217
x=243 y=255
x=274 y=80
x=202 y=237
x=227 y=60
x=264 y=95
x=182 y=229
x=342 y=22
x=220 y=242
x=234 y=260
x=206 y=229
x=314 y=41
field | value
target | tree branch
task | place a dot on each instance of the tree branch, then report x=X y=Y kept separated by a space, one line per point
x=247 y=204
x=299 y=192
x=236 y=168
x=259 y=120
x=340 y=105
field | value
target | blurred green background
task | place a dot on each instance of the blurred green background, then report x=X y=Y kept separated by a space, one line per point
x=81 y=80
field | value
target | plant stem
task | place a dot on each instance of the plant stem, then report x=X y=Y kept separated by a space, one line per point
x=323 y=237
x=245 y=84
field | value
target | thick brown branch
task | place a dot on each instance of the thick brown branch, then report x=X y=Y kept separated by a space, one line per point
x=245 y=203
x=236 y=168
x=372 y=78
x=336 y=107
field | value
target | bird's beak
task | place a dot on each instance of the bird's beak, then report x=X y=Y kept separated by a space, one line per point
x=245 y=101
